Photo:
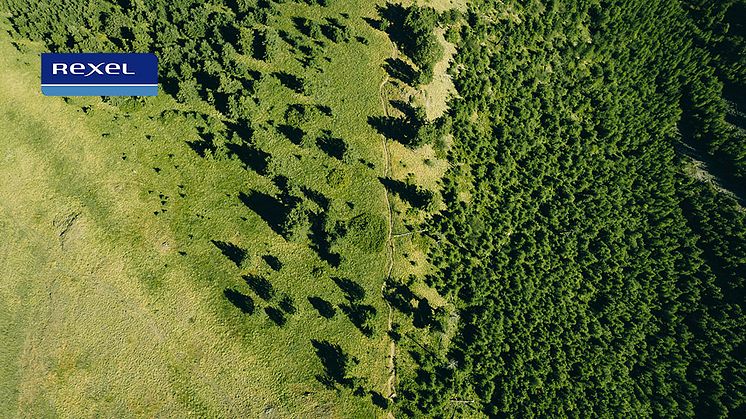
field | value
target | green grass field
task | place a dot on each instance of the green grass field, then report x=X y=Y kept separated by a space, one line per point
x=112 y=294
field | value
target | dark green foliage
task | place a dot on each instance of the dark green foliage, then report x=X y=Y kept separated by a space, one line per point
x=715 y=97
x=336 y=178
x=299 y=114
x=314 y=30
x=297 y=222
x=195 y=42
x=335 y=30
x=246 y=42
x=720 y=224
x=412 y=29
x=291 y=213
x=589 y=275
x=425 y=50
x=427 y=133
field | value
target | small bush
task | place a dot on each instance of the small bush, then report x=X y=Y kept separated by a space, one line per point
x=367 y=232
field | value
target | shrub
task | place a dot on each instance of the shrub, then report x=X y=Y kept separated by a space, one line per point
x=367 y=232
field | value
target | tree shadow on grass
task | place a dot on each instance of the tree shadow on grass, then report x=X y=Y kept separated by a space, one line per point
x=416 y=196
x=400 y=297
x=399 y=69
x=360 y=315
x=317 y=197
x=302 y=24
x=287 y=304
x=269 y=208
x=258 y=47
x=277 y=316
x=320 y=242
x=205 y=145
x=241 y=301
x=273 y=262
x=325 y=308
x=409 y=111
x=335 y=362
x=352 y=290
x=290 y=81
x=241 y=129
x=294 y=134
x=373 y=23
x=332 y=146
x=424 y=315
x=396 y=14
x=335 y=30
x=251 y=157
x=393 y=128
x=201 y=147
x=261 y=286
x=292 y=40
x=378 y=400
x=325 y=110
x=234 y=253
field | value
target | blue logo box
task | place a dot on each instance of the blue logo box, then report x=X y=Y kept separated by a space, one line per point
x=99 y=74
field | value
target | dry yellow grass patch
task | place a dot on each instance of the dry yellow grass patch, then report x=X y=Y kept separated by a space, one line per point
x=441 y=5
x=434 y=96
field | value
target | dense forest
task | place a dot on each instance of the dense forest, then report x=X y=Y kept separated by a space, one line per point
x=593 y=274
x=592 y=237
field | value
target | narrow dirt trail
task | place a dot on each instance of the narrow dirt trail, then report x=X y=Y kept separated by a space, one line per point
x=389 y=390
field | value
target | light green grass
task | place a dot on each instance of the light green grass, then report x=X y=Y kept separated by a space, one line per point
x=100 y=314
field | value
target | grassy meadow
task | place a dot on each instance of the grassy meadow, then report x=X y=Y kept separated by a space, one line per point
x=137 y=279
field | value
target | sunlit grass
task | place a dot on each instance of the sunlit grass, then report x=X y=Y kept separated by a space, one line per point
x=121 y=311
